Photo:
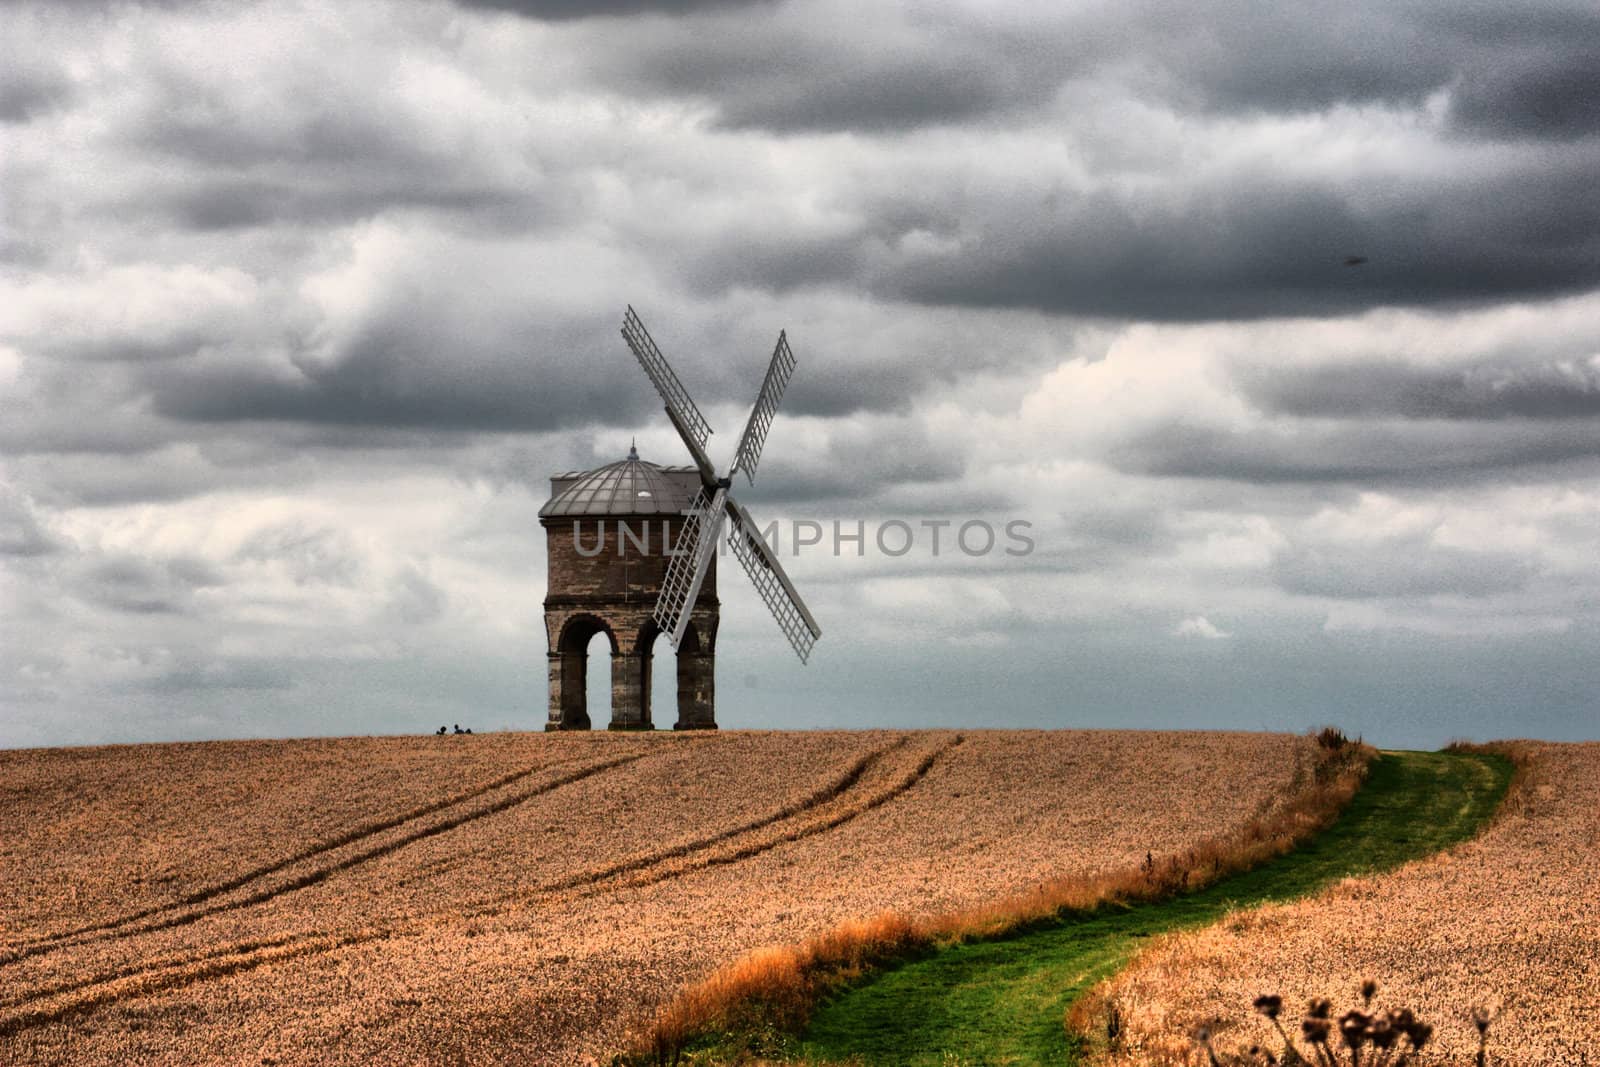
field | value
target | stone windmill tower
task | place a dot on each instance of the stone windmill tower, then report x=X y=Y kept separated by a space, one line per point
x=611 y=572
x=607 y=534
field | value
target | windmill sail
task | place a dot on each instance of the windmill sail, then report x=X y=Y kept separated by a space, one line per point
x=713 y=507
x=680 y=405
x=767 y=575
x=766 y=409
x=691 y=558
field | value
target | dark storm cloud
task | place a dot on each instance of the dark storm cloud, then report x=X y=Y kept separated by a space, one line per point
x=787 y=77
x=1257 y=237
x=1552 y=94
x=563 y=10
x=1356 y=452
x=847 y=68
x=307 y=162
x=1367 y=389
x=392 y=378
x=1258 y=245
x=231 y=203
x=1251 y=246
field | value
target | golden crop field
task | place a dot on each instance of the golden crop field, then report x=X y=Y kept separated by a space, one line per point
x=1509 y=921
x=526 y=897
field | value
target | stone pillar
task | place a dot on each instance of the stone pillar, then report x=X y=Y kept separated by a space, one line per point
x=697 y=687
x=574 y=691
x=627 y=692
x=554 y=720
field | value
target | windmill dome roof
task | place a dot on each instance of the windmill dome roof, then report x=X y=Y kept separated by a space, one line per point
x=628 y=487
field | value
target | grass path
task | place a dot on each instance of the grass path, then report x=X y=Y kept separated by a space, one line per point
x=1003 y=1002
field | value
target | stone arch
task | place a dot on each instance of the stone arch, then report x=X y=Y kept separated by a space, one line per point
x=694 y=671
x=572 y=652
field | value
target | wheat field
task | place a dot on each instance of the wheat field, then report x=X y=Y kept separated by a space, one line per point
x=526 y=897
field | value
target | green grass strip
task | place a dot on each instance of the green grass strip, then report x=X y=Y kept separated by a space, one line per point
x=1003 y=1001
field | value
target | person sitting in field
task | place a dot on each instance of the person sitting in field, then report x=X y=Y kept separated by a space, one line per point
x=458 y=728
x=442 y=731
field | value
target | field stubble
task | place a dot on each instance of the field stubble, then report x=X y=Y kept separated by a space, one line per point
x=467 y=900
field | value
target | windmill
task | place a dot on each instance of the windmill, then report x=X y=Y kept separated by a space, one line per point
x=714 y=506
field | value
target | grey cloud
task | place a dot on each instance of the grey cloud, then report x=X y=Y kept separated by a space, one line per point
x=300 y=147
x=1290 y=57
x=203 y=675
x=561 y=10
x=1260 y=246
x=860 y=461
x=881 y=100
x=1542 y=88
x=1244 y=244
x=847 y=68
x=21 y=532
x=232 y=202
x=392 y=379
x=310 y=554
x=786 y=76
x=144 y=586
x=1369 y=452
x=28 y=92
x=1413 y=566
x=84 y=476
x=1538 y=102
x=414 y=598
x=1371 y=389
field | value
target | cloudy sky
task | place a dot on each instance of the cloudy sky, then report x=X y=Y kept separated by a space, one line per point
x=1280 y=323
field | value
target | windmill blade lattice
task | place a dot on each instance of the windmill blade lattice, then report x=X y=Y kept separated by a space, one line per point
x=765 y=410
x=691 y=559
x=767 y=575
x=679 y=403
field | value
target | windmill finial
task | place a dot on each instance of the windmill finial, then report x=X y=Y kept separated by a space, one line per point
x=633 y=451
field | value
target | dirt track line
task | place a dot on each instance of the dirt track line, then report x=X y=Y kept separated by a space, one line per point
x=322 y=873
x=831 y=791
x=342 y=840
x=819 y=826
x=143 y=980
x=821 y=796
x=160 y=979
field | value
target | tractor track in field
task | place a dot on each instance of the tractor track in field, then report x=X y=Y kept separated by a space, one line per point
x=81 y=934
x=831 y=806
x=185 y=911
x=824 y=821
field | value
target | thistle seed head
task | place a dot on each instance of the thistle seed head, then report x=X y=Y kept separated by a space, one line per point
x=1381 y=1032
x=1353 y=1027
